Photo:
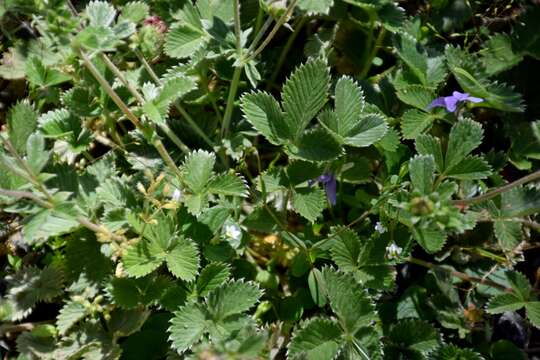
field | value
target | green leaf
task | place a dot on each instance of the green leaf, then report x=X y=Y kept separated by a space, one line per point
x=370 y=129
x=123 y=323
x=470 y=168
x=413 y=335
x=188 y=325
x=465 y=136
x=430 y=145
x=135 y=11
x=37 y=157
x=309 y=202
x=415 y=122
x=316 y=145
x=317 y=287
x=415 y=60
x=421 y=171
x=452 y=352
x=232 y=298
x=415 y=95
x=211 y=277
x=97 y=38
x=184 y=40
x=143 y=258
x=47 y=223
x=197 y=170
x=497 y=54
x=316 y=339
x=228 y=184
x=183 y=260
x=40 y=75
x=520 y=201
x=346 y=250
x=71 y=313
x=349 y=105
x=520 y=284
x=100 y=13
x=533 y=313
x=21 y=122
x=341 y=288
x=508 y=233
x=304 y=94
x=263 y=112
x=504 y=302
x=315 y=6
x=81 y=101
x=430 y=239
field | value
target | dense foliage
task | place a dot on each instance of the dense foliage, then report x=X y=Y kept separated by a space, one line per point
x=269 y=179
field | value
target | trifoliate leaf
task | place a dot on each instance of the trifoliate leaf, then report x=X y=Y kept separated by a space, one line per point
x=100 y=13
x=40 y=75
x=370 y=129
x=47 y=223
x=431 y=240
x=183 y=260
x=341 y=288
x=309 y=202
x=228 y=184
x=421 y=171
x=69 y=315
x=415 y=122
x=465 y=136
x=188 y=325
x=346 y=250
x=316 y=339
x=504 y=302
x=232 y=298
x=81 y=102
x=197 y=169
x=410 y=337
x=211 y=277
x=130 y=293
x=21 y=121
x=430 y=145
x=143 y=258
x=415 y=95
x=316 y=145
x=184 y=40
x=304 y=94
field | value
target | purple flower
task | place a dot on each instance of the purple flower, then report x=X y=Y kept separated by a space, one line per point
x=330 y=185
x=451 y=102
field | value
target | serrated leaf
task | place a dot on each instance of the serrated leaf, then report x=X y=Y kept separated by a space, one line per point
x=415 y=60
x=508 y=233
x=81 y=102
x=315 y=6
x=349 y=104
x=143 y=258
x=430 y=239
x=129 y=293
x=346 y=250
x=263 y=112
x=100 y=13
x=520 y=284
x=211 y=277
x=40 y=75
x=232 y=298
x=317 y=339
x=533 y=313
x=97 y=38
x=304 y=94
x=184 y=40
x=69 y=315
x=228 y=184
x=341 y=288
x=415 y=95
x=316 y=145
x=21 y=121
x=415 y=122
x=135 y=11
x=188 y=325
x=370 y=129
x=470 y=168
x=430 y=145
x=452 y=352
x=520 y=201
x=504 y=302
x=497 y=54
x=465 y=136
x=317 y=287
x=36 y=155
x=197 y=170
x=183 y=260
x=46 y=223
x=421 y=171
x=425 y=339
x=309 y=202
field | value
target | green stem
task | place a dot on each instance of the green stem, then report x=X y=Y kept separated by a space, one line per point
x=373 y=52
x=493 y=193
x=286 y=48
x=230 y=101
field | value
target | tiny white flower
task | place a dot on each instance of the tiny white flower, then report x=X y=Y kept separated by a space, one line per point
x=393 y=251
x=176 y=195
x=233 y=232
x=380 y=228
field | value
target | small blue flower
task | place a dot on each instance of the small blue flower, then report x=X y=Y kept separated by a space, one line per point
x=451 y=102
x=330 y=186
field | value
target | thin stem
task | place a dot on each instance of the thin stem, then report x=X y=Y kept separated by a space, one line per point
x=26 y=195
x=458 y=274
x=373 y=53
x=286 y=48
x=491 y=194
x=282 y=20
x=177 y=105
x=260 y=34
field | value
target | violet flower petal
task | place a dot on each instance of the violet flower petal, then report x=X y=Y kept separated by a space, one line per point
x=474 y=99
x=460 y=96
x=331 y=190
x=436 y=103
x=450 y=103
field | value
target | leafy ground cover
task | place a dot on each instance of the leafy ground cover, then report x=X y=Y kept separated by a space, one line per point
x=258 y=179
